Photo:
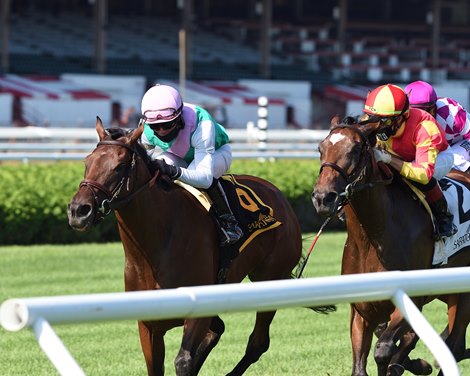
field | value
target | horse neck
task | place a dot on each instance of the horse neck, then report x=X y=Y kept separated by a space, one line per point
x=390 y=221
x=145 y=221
x=371 y=210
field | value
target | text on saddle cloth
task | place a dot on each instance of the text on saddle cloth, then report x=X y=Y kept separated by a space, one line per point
x=253 y=215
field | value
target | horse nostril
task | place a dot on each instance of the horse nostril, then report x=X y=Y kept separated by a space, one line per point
x=83 y=211
x=330 y=198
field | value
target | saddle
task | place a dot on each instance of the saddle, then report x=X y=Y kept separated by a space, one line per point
x=253 y=215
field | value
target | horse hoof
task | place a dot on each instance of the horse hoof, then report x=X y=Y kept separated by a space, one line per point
x=380 y=329
x=418 y=367
x=395 y=370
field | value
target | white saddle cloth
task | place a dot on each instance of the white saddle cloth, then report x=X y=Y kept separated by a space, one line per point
x=458 y=201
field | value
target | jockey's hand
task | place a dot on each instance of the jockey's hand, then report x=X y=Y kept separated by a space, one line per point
x=171 y=171
x=382 y=156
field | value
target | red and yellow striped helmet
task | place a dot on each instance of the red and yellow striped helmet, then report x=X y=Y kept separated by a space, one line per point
x=386 y=100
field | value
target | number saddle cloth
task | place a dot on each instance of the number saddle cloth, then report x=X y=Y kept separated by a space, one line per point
x=253 y=215
x=457 y=195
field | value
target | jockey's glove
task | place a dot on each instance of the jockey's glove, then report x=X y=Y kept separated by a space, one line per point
x=382 y=156
x=171 y=171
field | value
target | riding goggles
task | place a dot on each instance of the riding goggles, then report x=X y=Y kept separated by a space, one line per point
x=165 y=126
x=383 y=121
x=162 y=116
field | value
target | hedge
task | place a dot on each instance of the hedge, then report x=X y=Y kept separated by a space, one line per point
x=34 y=198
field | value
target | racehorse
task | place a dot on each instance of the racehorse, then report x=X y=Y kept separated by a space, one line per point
x=387 y=229
x=170 y=240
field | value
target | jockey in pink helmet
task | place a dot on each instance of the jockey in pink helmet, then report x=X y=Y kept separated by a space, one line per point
x=450 y=115
x=411 y=142
x=194 y=149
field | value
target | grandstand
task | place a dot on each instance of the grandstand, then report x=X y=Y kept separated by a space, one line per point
x=53 y=37
x=324 y=43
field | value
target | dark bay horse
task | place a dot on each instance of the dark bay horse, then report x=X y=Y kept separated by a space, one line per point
x=387 y=229
x=170 y=240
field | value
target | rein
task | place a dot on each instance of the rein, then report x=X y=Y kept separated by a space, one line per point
x=355 y=178
x=112 y=202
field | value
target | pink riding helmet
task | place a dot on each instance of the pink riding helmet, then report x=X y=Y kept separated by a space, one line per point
x=420 y=94
x=161 y=104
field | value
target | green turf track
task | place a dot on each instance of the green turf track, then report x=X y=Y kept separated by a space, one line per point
x=302 y=342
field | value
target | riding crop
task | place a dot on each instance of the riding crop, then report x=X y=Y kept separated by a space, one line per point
x=303 y=263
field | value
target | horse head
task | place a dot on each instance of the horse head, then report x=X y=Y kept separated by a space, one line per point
x=347 y=160
x=111 y=171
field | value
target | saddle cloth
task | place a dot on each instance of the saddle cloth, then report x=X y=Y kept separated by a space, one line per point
x=458 y=201
x=253 y=215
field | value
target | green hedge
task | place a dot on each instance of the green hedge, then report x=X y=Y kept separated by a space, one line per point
x=34 y=198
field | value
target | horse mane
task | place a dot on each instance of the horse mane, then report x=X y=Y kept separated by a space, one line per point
x=350 y=120
x=116 y=133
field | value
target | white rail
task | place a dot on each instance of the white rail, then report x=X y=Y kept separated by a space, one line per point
x=36 y=143
x=38 y=313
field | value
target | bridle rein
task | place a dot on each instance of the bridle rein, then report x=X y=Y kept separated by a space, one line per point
x=356 y=179
x=112 y=198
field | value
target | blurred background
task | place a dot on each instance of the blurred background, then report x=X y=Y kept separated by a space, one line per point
x=65 y=61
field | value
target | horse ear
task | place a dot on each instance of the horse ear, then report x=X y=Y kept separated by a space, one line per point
x=370 y=130
x=100 y=129
x=136 y=133
x=335 y=120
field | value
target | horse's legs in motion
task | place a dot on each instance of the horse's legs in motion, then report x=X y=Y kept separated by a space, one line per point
x=392 y=360
x=459 y=318
x=361 y=341
x=153 y=348
x=209 y=342
x=385 y=348
x=258 y=342
x=194 y=332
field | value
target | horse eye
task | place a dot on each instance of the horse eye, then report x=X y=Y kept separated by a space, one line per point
x=120 y=167
x=356 y=150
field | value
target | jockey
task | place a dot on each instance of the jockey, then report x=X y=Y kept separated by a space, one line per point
x=194 y=147
x=410 y=140
x=450 y=115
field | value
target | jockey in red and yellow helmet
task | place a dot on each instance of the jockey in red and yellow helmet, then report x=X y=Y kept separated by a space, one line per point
x=411 y=141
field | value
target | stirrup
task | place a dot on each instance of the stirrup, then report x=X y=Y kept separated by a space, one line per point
x=230 y=236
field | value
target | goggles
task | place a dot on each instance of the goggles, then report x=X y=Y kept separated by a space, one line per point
x=165 y=126
x=387 y=125
x=383 y=121
x=162 y=116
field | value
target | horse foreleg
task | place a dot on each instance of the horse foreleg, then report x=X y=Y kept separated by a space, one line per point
x=193 y=334
x=153 y=348
x=211 y=339
x=392 y=360
x=258 y=342
x=459 y=317
x=361 y=333
x=385 y=348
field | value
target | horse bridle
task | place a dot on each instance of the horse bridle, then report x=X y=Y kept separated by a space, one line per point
x=355 y=178
x=112 y=200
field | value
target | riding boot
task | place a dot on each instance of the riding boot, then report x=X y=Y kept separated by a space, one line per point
x=228 y=223
x=444 y=219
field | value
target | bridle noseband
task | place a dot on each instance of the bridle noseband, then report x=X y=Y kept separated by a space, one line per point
x=358 y=174
x=112 y=200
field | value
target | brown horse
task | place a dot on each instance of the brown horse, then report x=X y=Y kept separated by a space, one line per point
x=388 y=229
x=170 y=241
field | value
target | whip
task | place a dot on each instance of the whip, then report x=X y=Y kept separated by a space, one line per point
x=303 y=263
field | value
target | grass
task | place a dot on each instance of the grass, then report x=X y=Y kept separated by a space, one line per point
x=302 y=342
